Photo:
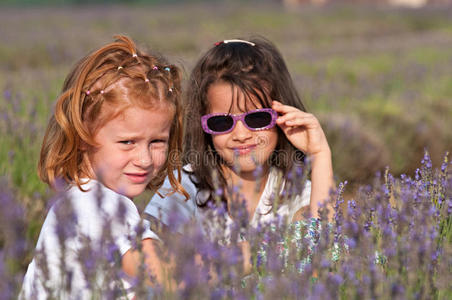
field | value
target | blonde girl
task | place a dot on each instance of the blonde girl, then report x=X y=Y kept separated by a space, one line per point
x=117 y=117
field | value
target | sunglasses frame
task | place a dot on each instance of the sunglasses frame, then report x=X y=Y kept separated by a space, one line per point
x=239 y=117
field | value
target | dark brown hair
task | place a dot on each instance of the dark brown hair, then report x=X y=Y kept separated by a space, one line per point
x=260 y=73
x=100 y=86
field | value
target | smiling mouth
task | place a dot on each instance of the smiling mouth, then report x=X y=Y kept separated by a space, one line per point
x=138 y=177
x=244 y=149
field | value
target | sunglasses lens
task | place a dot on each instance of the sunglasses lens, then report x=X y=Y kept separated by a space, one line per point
x=220 y=123
x=258 y=119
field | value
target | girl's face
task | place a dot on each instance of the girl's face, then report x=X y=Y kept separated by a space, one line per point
x=241 y=146
x=132 y=149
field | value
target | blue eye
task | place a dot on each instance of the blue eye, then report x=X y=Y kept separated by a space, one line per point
x=159 y=142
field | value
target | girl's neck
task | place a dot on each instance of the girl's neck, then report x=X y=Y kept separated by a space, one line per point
x=250 y=186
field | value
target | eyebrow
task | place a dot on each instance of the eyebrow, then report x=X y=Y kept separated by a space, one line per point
x=131 y=136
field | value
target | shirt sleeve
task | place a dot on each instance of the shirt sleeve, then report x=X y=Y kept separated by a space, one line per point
x=48 y=255
x=60 y=228
x=173 y=210
x=79 y=222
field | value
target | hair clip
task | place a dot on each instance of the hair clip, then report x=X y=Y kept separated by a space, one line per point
x=155 y=68
x=146 y=80
x=237 y=41
x=167 y=69
x=134 y=55
x=87 y=92
x=119 y=68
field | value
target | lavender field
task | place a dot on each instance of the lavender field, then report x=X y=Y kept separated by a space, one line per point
x=378 y=78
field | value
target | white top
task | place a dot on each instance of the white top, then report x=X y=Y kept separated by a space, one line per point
x=174 y=207
x=85 y=221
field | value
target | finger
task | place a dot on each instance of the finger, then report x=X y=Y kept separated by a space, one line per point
x=290 y=132
x=285 y=117
x=306 y=122
x=297 y=122
x=294 y=115
x=281 y=108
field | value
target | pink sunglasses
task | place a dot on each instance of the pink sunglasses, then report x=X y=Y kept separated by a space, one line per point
x=220 y=123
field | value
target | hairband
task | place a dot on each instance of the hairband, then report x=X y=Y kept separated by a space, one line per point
x=235 y=41
x=102 y=91
x=89 y=92
x=145 y=80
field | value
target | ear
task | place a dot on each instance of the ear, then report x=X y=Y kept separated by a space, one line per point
x=84 y=146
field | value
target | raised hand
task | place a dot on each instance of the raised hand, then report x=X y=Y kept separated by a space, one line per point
x=302 y=129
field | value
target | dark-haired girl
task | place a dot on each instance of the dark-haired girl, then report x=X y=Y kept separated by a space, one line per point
x=246 y=127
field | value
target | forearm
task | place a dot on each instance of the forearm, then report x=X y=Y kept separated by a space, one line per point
x=246 y=254
x=132 y=261
x=322 y=182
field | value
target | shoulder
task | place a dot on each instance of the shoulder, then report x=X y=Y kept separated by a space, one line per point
x=169 y=204
x=167 y=191
x=96 y=197
x=186 y=180
x=100 y=208
x=90 y=209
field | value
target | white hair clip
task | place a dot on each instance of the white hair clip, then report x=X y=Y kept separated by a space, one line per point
x=239 y=41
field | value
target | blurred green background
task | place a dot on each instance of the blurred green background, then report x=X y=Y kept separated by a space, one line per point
x=379 y=78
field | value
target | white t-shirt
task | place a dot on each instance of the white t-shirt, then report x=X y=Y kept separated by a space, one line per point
x=85 y=218
x=174 y=207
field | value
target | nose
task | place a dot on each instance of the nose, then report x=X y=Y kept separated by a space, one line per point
x=143 y=157
x=240 y=132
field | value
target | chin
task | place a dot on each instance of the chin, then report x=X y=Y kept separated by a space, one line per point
x=246 y=168
x=134 y=192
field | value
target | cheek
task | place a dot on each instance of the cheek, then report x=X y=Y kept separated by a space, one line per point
x=100 y=159
x=219 y=141
x=268 y=139
x=159 y=157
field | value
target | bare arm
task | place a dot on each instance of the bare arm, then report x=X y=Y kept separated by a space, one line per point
x=132 y=260
x=303 y=130
x=246 y=254
x=322 y=182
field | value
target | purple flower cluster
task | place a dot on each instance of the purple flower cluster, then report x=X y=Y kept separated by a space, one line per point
x=390 y=240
